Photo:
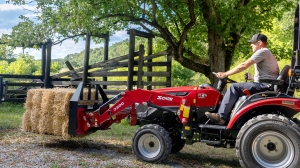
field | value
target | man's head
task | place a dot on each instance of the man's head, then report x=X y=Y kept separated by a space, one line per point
x=258 y=37
x=258 y=41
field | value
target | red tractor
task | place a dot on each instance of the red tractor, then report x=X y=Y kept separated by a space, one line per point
x=263 y=127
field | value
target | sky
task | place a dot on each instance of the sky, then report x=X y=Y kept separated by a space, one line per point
x=9 y=17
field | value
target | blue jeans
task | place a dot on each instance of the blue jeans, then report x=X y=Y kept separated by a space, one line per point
x=234 y=92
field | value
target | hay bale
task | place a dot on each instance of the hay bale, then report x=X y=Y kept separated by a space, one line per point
x=26 y=123
x=36 y=108
x=47 y=110
x=45 y=122
x=29 y=102
x=85 y=100
x=26 y=119
x=65 y=104
x=65 y=126
x=57 y=125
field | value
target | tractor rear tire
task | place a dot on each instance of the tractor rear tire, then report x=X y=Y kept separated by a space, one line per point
x=151 y=143
x=269 y=141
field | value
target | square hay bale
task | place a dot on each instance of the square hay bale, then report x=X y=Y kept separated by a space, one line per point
x=47 y=110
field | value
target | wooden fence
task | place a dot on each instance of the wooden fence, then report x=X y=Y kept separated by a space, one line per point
x=135 y=67
x=101 y=69
x=106 y=69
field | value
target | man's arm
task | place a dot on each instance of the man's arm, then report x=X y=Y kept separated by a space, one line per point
x=241 y=67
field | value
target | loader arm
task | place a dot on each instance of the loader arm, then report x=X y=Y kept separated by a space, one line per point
x=123 y=105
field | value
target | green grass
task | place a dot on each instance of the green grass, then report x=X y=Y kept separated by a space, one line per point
x=10 y=115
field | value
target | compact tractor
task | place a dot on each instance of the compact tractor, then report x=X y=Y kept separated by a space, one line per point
x=263 y=127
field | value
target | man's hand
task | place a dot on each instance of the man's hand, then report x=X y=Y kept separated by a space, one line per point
x=247 y=76
x=221 y=75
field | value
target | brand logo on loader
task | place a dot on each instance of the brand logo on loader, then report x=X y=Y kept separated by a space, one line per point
x=164 y=98
x=118 y=106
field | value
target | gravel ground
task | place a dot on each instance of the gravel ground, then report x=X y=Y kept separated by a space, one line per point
x=20 y=149
x=42 y=151
x=17 y=155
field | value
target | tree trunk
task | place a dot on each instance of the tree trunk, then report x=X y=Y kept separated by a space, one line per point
x=217 y=56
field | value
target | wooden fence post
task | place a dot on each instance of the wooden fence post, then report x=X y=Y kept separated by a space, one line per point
x=86 y=59
x=149 y=68
x=106 y=44
x=43 y=58
x=47 y=81
x=131 y=59
x=140 y=67
x=169 y=70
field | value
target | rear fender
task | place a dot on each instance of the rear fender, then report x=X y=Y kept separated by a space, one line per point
x=286 y=106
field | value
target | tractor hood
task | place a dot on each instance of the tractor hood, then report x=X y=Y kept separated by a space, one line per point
x=177 y=91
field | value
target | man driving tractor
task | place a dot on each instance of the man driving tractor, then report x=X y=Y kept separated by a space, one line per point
x=266 y=67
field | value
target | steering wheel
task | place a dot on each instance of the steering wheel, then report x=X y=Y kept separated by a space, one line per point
x=222 y=83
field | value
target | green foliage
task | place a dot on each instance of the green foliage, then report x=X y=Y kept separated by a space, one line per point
x=180 y=75
x=198 y=79
x=3 y=67
x=197 y=32
x=6 y=52
x=24 y=65
x=55 y=67
x=97 y=54
x=2 y=51
x=280 y=38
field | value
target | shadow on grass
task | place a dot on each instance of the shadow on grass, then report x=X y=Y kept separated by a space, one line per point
x=203 y=160
x=87 y=144
x=4 y=130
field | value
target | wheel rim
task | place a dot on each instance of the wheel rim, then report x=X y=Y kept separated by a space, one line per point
x=149 y=145
x=273 y=149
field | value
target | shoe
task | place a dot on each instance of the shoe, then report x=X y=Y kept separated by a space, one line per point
x=215 y=118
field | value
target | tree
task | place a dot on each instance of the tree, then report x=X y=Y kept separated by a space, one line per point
x=181 y=76
x=201 y=35
x=24 y=65
x=3 y=67
x=55 y=67
x=6 y=52
x=281 y=36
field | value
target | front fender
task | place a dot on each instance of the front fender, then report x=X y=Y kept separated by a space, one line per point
x=292 y=104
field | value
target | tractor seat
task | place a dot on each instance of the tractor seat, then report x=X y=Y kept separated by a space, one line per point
x=278 y=85
x=281 y=83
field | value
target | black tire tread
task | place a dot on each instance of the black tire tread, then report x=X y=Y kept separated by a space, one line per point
x=165 y=135
x=258 y=119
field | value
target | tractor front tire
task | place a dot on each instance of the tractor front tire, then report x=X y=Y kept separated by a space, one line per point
x=151 y=143
x=176 y=147
x=269 y=141
x=177 y=142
